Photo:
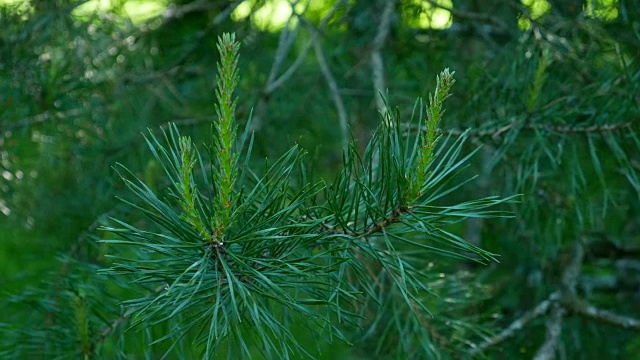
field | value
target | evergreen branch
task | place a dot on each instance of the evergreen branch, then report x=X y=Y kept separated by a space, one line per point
x=376 y=228
x=263 y=244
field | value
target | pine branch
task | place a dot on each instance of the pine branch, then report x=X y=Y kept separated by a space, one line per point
x=249 y=245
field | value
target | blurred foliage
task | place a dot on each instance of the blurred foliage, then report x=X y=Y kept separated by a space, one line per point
x=548 y=88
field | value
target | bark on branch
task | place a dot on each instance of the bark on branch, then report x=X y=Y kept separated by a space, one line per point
x=560 y=303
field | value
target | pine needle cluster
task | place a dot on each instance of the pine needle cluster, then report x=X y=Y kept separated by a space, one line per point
x=238 y=256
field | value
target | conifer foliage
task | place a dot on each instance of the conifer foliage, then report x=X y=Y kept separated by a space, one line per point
x=364 y=233
x=237 y=254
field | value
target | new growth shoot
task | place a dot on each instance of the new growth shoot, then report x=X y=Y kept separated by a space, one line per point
x=432 y=133
x=223 y=154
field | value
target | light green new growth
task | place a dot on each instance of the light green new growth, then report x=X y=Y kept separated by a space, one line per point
x=187 y=186
x=538 y=80
x=223 y=151
x=431 y=134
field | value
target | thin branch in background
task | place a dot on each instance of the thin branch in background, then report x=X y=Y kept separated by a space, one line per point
x=177 y=12
x=274 y=81
x=303 y=53
x=177 y=67
x=552 y=339
x=108 y=330
x=73 y=252
x=377 y=64
x=343 y=120
x=111 y=327
x=517 y=325
x=588 y=310
x=225 y=13
x=41 y=118
x=473 y=226
x=563 y=301
x=500 y=131
x=471 y=15
x=573 y=269
x=284 y=46
x=573 y=303
x=174 y=11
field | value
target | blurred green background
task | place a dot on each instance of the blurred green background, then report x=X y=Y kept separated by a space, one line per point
x=549 y=88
